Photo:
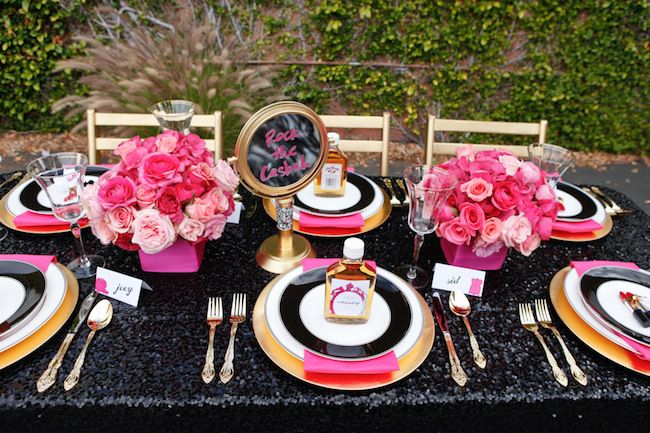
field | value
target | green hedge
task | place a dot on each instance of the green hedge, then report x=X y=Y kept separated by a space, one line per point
x=582 y=65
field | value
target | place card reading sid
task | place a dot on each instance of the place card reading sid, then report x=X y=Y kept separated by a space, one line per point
x=450 y=278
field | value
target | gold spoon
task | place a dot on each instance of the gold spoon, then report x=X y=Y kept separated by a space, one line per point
x=459 y=305
x=99 y=318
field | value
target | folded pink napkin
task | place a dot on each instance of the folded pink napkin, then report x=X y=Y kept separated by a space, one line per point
x=31 y=220
x=41 y=262
x=309 y=264
x=577 y=227
x=382 y=364
x=308 y=220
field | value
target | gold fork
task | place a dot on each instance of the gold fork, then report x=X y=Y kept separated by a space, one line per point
x=615 y=207
x=237 y=316
x=400 y=183
x=528 y=322
x=544 y=319
x=214 y=319
x=393 y=200
x=608 y=209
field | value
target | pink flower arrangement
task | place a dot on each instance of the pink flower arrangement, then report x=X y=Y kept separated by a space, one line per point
x=499 y=201
x=163 y=188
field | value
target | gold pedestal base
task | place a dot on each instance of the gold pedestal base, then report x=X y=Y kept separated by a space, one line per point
x=273 y=259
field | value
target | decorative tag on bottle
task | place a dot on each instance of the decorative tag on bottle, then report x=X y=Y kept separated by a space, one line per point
x=450 y=278
x=348 y=298
x=331 y=175
x=119 y=286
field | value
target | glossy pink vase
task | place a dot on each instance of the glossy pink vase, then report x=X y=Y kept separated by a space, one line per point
x=462 y=255
x=182 y=257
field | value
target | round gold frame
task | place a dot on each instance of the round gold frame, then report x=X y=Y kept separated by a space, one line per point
x=344 y=382
x=589 y=236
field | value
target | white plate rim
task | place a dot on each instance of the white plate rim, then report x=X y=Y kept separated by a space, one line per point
x=22 y=300
x=600 y=216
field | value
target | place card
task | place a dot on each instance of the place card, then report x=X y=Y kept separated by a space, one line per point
x=450 y=278
x=119 y=286
x=234 y=217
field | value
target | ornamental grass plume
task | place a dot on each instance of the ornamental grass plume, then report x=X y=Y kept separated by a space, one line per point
x=179 y=55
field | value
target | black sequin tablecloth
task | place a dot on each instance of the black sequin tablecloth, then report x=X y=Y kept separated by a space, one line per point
x=143 y=372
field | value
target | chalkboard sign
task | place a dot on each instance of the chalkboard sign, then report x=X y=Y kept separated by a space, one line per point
x=281 y=149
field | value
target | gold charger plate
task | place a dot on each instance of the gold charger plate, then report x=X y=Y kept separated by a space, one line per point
x=370 y=224
x=587 y=334
x=586 y=237
x=50 y=328
x=343 y=382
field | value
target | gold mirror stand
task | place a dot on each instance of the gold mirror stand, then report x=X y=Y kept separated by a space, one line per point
x=284 y=251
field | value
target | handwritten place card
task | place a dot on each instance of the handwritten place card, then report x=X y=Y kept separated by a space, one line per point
x=119 y=286
x=450 y=278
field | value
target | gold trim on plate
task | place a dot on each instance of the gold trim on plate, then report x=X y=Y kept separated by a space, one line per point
x=589 y=236
x=587 y=334
x=49 y=328
x=345 y=382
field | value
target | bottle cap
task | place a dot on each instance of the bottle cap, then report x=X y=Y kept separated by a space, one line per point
x=353 y=248
x=333 y=139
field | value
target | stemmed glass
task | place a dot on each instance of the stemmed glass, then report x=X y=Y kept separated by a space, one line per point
x=3 y=231
x=174 y=114
x=554 y=160
x=428 y=189
x=61 y=176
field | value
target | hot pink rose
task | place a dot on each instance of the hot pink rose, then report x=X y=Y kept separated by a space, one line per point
x=506 y=195
x=153 y=231
x=214 y=228
x=545 y=192
x=455 y=232
x=472 y=216
x=102 y=231
x=146 y=196
x=445 y=213
x=201 y=174
x=120 y=218
x=187 y=191
x=132 y=159
x=191 y=229
x=118 y=191
x=477 y=189
x=491 y=231
x=530 y=173
x=201 y=209
x=166 y=142
x=225 y=176
x=123 y=241
x=511 y=164
x=159 y=169
x=530 y=245
x=168 y=204
x=516 y=229
x=545 y=227
x=149 y=143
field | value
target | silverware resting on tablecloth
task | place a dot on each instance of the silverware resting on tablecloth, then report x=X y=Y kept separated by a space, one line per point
x=611 y=207
x=237 y=316
x=457 y=372
x=11 y=178
x=460 y=306
x=213 y=319
x=394 y=201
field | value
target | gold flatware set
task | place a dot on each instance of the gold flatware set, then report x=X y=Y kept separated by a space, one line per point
x=611 y=207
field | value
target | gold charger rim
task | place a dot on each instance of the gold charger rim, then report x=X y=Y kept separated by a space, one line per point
x=583 y=331
x=371 y=223
x=294 y=367
x=49 y=329
x=608 y=224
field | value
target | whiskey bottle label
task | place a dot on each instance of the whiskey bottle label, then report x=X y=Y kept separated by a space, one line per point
x=331 y=176
x=348 y=298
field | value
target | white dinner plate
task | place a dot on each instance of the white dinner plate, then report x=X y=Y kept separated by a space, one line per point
x=12 y=295
x=572 y=206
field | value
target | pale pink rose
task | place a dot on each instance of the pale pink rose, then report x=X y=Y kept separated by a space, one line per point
x=545 y=192
x=455 y=232
x=118 y=191
x=218 y=199
x=120 y=218
x=225 y=176
x=477 y=189
x=511 y=164
x=159 y=169
x=90 y=203
x=167 y=141
x=200 y=174
x=102 y=231
x=530 y=173
x=466 y=151
x=486 y=249
x=153 y=231
x=516 y=229
x=472 y=216
x=128 y=146
x=146 y=196
x=214 y=228
x=530 y=245
x=191 y=229
x=132 y=159
x=201 y=209
x=491 y=231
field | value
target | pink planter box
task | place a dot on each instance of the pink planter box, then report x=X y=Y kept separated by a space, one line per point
x=180 y=257
x=462 y=255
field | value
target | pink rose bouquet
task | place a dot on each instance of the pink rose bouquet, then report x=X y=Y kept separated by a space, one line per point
x=499 y=201
x=163 y=188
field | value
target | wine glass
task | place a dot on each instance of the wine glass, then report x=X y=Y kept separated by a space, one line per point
x=61 y=176
x=174 y=114
x=428 y=189
x=554 y=160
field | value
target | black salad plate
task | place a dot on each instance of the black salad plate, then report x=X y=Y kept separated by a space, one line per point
x=366 y=198
x=587 y=209
x=29 y=194
x=34 y=282
x=593 y=279
x=400 y=316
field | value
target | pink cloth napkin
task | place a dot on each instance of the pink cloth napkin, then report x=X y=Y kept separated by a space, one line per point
x=41 y=262
x=32 y=220
x=307 y=220
x=577 y=227
x=382 y=364
x=309 y=264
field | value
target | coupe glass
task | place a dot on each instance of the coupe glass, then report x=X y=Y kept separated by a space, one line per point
x=174 y=114
x=61 y=176
x=428 y=189
x=554 y=160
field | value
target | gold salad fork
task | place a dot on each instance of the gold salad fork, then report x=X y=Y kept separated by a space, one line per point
x=214 y=319
x=402 y=185
x=393 y=199
x=528 y=322
x=237 y=316
x=544 y=319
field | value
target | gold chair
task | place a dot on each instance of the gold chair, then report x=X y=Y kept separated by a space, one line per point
x=99 y=144
x=363 y=122
x=481 y=127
